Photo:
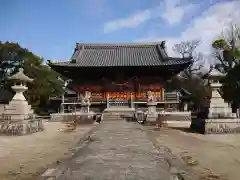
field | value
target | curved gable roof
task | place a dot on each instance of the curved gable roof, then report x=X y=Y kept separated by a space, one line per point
x=117 y=55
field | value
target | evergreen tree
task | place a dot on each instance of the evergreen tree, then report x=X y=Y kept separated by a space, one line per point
x=46 y=82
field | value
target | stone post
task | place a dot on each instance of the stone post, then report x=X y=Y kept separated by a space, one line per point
x=78 y=96
x=88 y=109
x=185 y=108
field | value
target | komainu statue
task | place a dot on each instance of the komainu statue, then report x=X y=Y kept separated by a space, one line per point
x=85 y=100
x=150 y=96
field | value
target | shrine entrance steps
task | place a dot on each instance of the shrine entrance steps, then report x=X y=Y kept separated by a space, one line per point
x=112 y=117
x=117 y=113
x=118 y=109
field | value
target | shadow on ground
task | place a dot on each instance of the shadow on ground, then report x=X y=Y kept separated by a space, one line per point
x=184 y=129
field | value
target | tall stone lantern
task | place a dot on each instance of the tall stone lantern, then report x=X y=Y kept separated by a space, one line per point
x=18 y=108
x=218 y=107
x=220 y=117
x=18 y=116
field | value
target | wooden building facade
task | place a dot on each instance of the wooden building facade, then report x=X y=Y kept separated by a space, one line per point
x=120 y=73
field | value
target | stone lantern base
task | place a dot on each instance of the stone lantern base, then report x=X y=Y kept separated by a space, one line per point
x=18 y=117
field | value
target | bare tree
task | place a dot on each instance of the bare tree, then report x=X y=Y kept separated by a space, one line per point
x=191 y=78
x=188 y=49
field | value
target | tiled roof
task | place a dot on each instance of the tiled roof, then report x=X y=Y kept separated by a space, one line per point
x=110 y=55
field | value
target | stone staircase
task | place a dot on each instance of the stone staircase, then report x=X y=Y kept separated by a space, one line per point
x=112 y=117
x=119 y=109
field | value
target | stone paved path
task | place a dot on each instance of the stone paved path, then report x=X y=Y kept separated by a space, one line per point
x=118 y=151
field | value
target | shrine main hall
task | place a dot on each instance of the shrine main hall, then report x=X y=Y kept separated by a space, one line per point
x=120 y=73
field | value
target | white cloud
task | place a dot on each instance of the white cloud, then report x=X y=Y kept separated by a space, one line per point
x=175 y=11
x=206 y=27
x=172 y=11
x=129 y=22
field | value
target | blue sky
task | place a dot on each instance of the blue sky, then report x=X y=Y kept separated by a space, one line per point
x=51 y=28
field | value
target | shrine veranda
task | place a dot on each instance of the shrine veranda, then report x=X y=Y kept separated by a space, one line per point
x=120 y=73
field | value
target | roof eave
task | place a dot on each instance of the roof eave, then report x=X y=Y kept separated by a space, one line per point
x=69 y=64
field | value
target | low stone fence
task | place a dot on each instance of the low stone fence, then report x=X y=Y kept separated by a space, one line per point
x=79 y=119
x=57 y=117
x=174 y=119
x=23 y=127
x=69 y=116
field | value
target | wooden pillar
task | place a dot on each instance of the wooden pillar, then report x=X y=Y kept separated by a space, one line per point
x=163 y=94
x=131 y=101
x=107 y=99
x=136 y=88
x=62 y=103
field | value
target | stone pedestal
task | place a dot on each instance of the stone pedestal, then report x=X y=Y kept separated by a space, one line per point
x=17 y=110
x=152 y=112
x=85 y=108
x=152 y=108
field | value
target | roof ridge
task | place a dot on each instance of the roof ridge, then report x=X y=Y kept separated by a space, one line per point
x=59 y=61
x=120 y=44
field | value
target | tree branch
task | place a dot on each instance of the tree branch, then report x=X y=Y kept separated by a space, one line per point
x=188 y=49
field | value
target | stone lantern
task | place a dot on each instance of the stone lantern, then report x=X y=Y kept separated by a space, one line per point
x=218 y=107
x=18 y=117
x=220 y=117
x=18 y=108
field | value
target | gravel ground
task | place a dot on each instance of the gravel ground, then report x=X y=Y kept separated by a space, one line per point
x=215 y=155
x=23 y=157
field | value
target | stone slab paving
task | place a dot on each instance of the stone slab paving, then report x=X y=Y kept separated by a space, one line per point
x=117 y=150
